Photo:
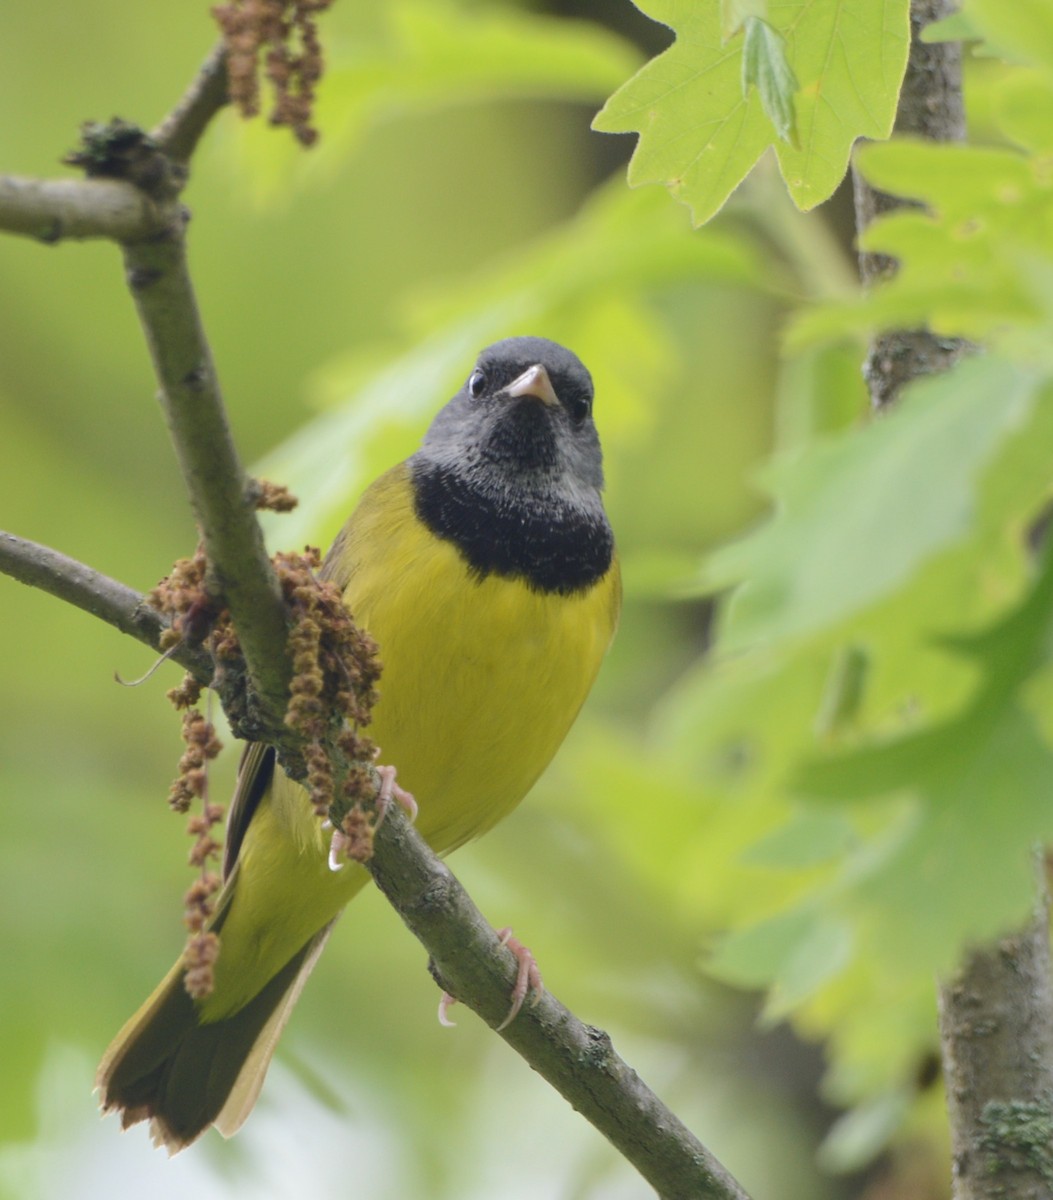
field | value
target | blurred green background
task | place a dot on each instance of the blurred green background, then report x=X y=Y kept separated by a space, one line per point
x=457 y=196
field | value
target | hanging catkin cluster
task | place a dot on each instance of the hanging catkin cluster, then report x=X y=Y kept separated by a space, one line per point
x=285 y=34
x=194 y=616
x=333 y=688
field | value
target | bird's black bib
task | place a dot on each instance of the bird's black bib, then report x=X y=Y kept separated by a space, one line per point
x=553 y=547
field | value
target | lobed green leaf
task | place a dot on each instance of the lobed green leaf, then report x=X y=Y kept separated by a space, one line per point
x=699 y=135
x=857 y=513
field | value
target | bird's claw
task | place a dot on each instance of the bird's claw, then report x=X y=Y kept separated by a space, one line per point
x=528 y=979
x=446 y=1002
x=389 y=793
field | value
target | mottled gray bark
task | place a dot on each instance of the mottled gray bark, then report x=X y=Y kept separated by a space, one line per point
x=996 y=1024
x=930 y=106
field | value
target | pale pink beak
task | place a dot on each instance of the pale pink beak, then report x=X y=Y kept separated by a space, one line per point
x=535 y=382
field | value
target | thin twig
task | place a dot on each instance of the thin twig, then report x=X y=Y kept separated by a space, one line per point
x=470 y=962
x=239 y=570
x=120 y=606
x=219 y=493
x=178 y=134
x=53 y=209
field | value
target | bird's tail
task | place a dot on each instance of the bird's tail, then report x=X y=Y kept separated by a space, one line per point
x=183 y=1075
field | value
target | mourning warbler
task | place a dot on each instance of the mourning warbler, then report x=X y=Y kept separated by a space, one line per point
x=485 y=568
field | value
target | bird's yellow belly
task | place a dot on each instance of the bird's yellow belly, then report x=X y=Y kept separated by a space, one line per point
x=473 y=713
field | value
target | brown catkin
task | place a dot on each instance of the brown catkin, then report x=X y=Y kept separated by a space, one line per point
x=283 y=35
x=331 y=694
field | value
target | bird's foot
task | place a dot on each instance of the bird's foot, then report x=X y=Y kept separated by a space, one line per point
x=389 y=792
x=446 y=1002
x=528 y=979
x=342 y=845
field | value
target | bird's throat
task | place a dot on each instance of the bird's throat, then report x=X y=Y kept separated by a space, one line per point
x=552 y=542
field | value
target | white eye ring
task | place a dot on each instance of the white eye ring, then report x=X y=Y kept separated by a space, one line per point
x=476 y=383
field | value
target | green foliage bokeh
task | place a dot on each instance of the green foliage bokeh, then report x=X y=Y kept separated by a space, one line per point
x=823 y=806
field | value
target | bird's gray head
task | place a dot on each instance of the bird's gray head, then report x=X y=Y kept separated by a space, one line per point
x=523 y=416
x=510 y=471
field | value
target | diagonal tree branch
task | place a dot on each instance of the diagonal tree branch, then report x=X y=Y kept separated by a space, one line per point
x=220 y=495
x=469 y=958
x=470 y=962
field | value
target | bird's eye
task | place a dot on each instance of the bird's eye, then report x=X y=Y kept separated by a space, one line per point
x=476 y=383
x=579 y=409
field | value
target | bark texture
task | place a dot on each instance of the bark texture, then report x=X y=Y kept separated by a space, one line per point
x=996 y=1023
x=931 y=107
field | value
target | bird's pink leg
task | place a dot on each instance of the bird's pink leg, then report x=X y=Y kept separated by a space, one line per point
x=528 y=979
x=389 y=793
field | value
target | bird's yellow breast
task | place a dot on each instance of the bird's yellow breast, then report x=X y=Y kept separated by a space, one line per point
x=481 y=679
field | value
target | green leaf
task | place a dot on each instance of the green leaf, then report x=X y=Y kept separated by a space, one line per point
x=979 y=783
x=753 y=957
x=764 y=64
x=819 y=957
x=973 y=262
x=859 y=1135
x=955 y=28
x=956 y=181
x=700 y=136
x=906 y=879
x=1023 y=28
x=807 y=839
x=793 y=954
x=858 y=513
x=1024 y=108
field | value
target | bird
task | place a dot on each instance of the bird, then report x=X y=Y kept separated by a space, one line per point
x=485 y=567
